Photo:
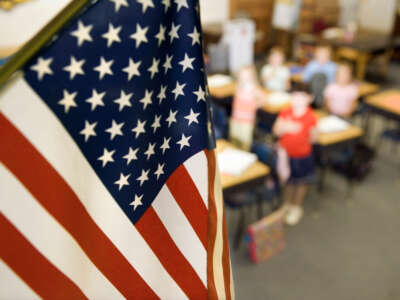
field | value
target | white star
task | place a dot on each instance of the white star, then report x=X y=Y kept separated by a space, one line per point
x=154 y=68
x=167 y=4
x=132 y=69
x=88 y=131
x=112 y=35
x=173 y=34
x=82 y=33
x=115 y=129
x=42 y=67
x=180 y=4
x=150 y=150
x=107 y=157
x=119 y=3
x=187 y=63
x=184 y=141
x=68 y=101
x=167 y=65
x=172 y=117
x=165 y=145
x=122 y=181
x=132 y=155
x=137 y=202
x=74 y=67
x=104 y=67
x=146 y=100
x=160 y=170
x=145 y=4
x=124 y=100
x=192 y=117
x=139 y=128
x=156 y=124
x=178 y=90
x=143 y=177
x=96 y=99
x=201 y=95
x=140 y=35
x=161 y=95
x=160 y=36
x=195 y=36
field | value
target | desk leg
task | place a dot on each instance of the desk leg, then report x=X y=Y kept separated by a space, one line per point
x=239 y=229
x=323 y=171
x=361 y=67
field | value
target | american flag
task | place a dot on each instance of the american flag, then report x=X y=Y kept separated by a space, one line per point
x=108 y=182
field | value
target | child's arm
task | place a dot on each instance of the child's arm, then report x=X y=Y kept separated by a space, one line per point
x=283 y=126
x=314 y=135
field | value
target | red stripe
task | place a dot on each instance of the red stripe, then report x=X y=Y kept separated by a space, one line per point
x=57 y=197
x=212 y=227
x=189 y=200
x=226 y=263
x=32 y=267
x=158 y=238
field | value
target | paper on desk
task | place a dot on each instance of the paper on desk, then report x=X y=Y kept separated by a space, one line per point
x=332 y=124
x=219 y=80
x=235 y=162
x=278 y=98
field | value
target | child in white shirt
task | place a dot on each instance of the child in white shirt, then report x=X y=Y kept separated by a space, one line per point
x=275 y=75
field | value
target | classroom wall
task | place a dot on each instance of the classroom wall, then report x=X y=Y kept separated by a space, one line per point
x=23 y=21
x=377 y=14
x=214 y=11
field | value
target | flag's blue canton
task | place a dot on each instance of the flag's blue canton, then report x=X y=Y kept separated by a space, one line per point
x=105 y=77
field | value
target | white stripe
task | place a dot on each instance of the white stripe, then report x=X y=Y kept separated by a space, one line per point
x=218 y=246
x=181 y=232
x=198 y=169
x=30 y=115
x=50 y=238
x=12 y=287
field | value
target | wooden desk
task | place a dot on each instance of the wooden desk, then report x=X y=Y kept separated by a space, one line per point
x=222 y=92
x=376 y=104
x=334 y=141
x=256 y=173
x=334 y=138
x=254 y=176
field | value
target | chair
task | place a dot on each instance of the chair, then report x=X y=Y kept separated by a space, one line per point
x=317 y=85
x=392 y=135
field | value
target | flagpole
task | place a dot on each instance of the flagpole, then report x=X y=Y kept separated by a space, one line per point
x=19 y=59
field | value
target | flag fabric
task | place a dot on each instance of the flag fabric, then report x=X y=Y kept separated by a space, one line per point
x=108 y=181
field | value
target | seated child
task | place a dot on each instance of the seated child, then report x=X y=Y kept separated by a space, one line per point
x=296 y=129
x=341 y=96
x=321 y=64
x=275 y=75
x=248 y=98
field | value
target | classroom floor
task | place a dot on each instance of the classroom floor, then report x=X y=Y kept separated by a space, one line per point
x=346 y=249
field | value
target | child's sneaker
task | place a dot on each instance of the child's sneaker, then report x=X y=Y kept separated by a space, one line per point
x=294 y=215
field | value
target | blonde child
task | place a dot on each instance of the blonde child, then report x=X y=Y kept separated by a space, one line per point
x=248 y=98
x=275 y=75
x=341 y=96
x=296 y=129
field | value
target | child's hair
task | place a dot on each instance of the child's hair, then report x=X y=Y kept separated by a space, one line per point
x=324 y=45
x=276 y=49
x=250 y=68
x=300 y=87
x=347 y=65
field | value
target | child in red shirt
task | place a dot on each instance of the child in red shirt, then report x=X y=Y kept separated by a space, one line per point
x=296 y=129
